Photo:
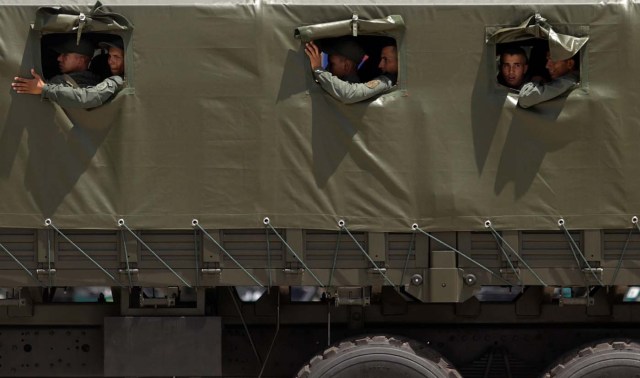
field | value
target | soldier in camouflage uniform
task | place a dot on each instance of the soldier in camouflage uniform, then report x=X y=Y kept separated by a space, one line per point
x=344 y=57
x=350 y=93
x=78 y=88
x=564 y=77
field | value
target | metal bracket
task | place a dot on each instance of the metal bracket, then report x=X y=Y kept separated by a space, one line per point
x=584 y=301
x=353 y=296
x=354 y=24
x=82 y=21
x=377 y=270
x=46 y=272
x=14 y=302
x=157 y=302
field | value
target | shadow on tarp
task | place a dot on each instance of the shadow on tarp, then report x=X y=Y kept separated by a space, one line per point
x=533 y=133
x=487 y=103
x=290 y=83
x=60 y=143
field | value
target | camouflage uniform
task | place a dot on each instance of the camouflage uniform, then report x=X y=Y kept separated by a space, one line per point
x=532 y=94
x=349 y=93
x=82 y=91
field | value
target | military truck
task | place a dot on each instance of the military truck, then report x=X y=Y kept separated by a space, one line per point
x=223 y=216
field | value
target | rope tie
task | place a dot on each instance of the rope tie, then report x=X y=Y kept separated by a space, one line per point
x=49 y=259
x=126 y=258
x=195 y=254
x=576 y=251
x=501 y=241
x=406 y=260
x=415 y=227
x=634 y=221
x=19 y=263
x=49 y=223
x=196 y=224
x=122 y=224
x=335 y=258
x=267 y=223
x=343 y=226
x=266 y=237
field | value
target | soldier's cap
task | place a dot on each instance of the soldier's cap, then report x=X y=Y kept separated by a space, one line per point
x=117 y=43
x=85 y=47
x=348 y=48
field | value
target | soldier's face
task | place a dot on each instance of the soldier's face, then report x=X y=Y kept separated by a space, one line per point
x=513 y=69
x=338 y=65
x=71 y=62
x=116 y=61
x=558 y=68
x=389 y=60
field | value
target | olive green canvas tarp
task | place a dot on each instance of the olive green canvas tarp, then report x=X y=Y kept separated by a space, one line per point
x=222 y=122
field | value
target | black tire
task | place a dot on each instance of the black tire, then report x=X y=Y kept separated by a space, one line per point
x=378 y=357
x=606 y=359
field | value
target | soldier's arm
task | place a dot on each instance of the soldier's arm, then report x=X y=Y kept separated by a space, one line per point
x=349 y=93
x=532 y=94
x=89 y=97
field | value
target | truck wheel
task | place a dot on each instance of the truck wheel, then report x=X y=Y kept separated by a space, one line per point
x=378 y=357
x=608 y=359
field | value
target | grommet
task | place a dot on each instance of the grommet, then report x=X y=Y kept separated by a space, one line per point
x=194 y=222
x=470 y=279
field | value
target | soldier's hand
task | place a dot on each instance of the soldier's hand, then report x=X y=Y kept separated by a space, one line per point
x=315 y=57
x=30 y=86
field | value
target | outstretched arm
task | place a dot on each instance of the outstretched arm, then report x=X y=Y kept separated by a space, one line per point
x=28 y=86
x=349 y=93
x=89 y=97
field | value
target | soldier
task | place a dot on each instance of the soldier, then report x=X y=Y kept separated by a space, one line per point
x=68 y=95
x=344 y=57
x=513 y=67
x=564 y=77
x=350 y=93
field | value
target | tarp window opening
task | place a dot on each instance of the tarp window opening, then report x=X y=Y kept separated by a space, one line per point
x=362 y=41
x=55 y=25
x=535 y=38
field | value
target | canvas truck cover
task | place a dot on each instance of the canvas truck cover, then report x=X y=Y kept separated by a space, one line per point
x=221 y=121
